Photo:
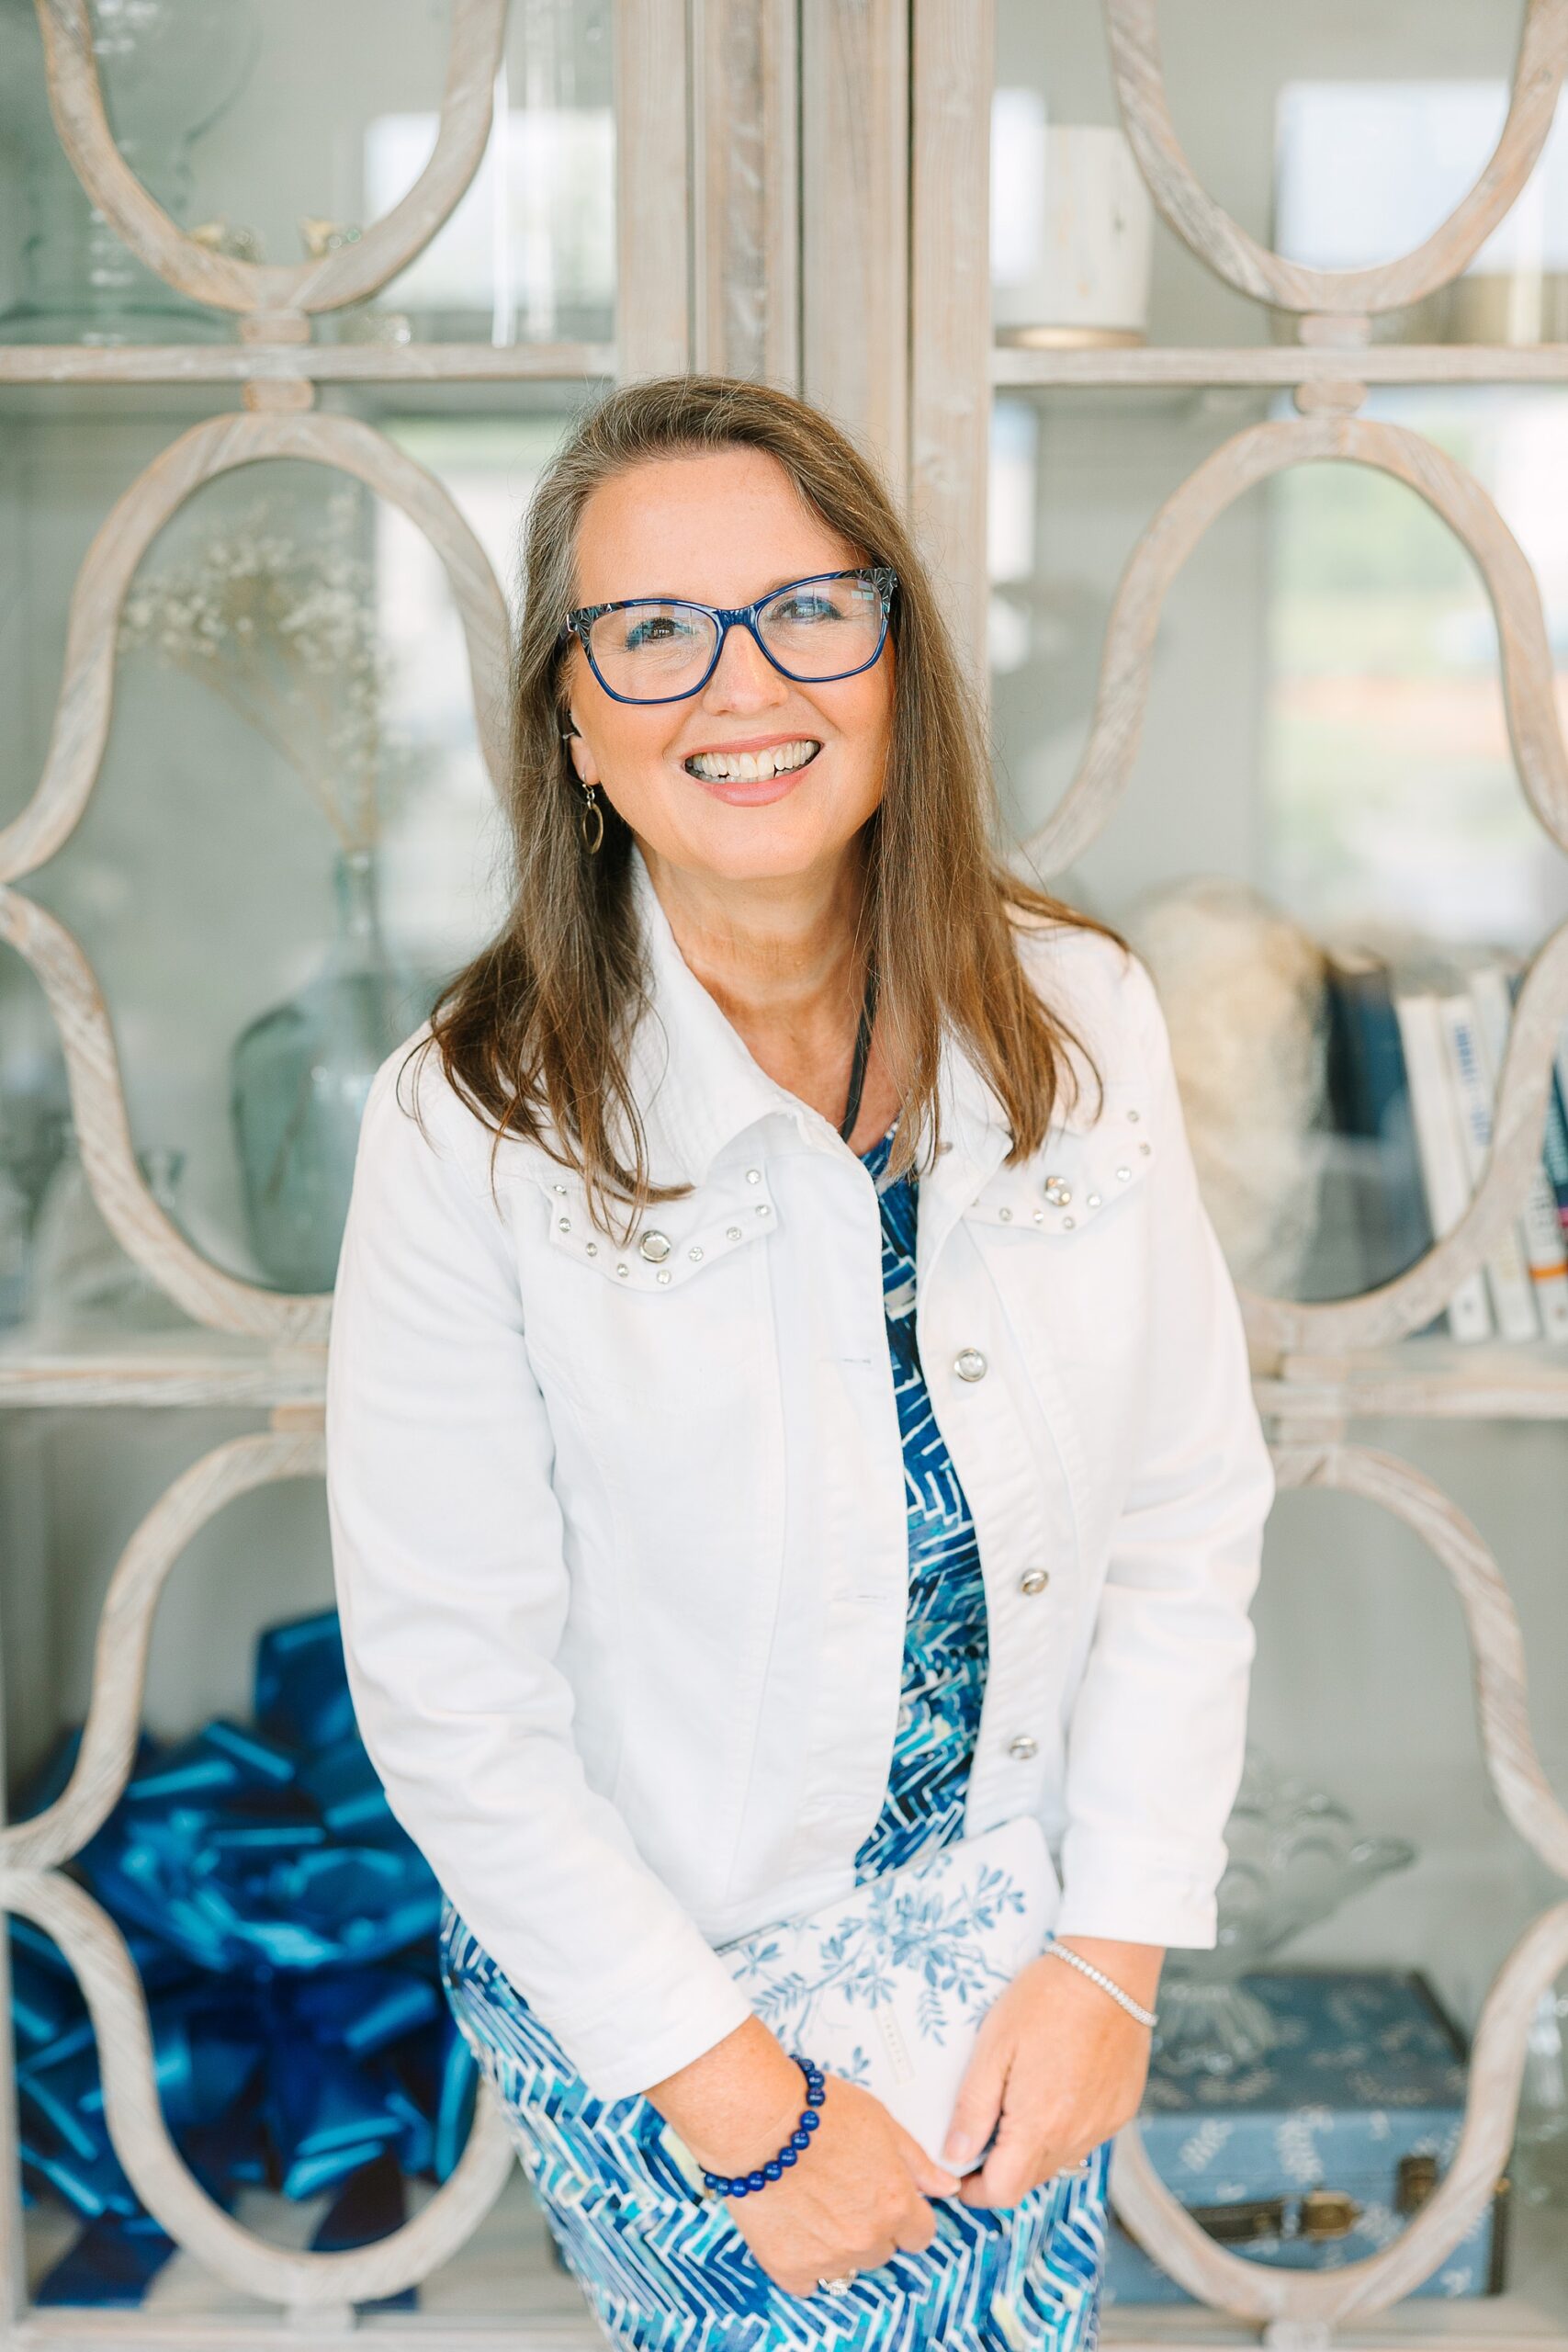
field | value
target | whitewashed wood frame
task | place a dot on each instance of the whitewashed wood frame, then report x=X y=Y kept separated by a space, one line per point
x=1238 y=258
x=1410 y=1300
x=216 y=446
x=1318 y=1364
x=349 y=274
x=32 y=1883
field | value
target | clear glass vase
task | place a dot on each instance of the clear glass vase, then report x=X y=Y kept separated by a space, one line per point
x=299 y=1075
x=168 y=69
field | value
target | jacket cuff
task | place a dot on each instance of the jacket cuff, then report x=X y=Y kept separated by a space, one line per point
x=1115 y=1889
x=678 y=2006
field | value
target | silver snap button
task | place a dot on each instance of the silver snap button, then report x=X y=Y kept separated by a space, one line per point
x=732 y=1233
x=1070 y=1220
x=761 y=1208
x=1023 y=1747
x=1058 y=1192
x=663 y=1274
x=1035 y=1580
x=1039 y=1216
x=693 y=1253
x=753 y=1175
x=1124 y=1174
x=1093 y=1201
x=1131 y=1114
x=655 y=1244
x=1005 y=1216
x=1144 y=1147
x=591 y=1248
x=622 y=1270
x=558 y=1188
x=969 y=1364
x=564 y=1223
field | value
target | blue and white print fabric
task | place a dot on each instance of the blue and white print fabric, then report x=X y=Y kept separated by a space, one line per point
x=664 y=2270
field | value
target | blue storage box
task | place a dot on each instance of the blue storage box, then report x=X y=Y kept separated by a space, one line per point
x=1318 y=2155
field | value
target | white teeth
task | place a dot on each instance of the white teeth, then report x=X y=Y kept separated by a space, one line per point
x=752 y=767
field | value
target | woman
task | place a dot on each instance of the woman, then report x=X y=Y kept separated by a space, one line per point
x=713 y=1533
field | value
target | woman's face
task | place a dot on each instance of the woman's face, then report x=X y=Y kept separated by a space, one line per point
x=725 y=527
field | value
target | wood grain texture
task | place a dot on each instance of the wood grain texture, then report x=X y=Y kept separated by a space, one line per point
x=1496 y=2062
x=653 y=205
x=950 y=306
x=1250 y=267
x=82 y=713
x=855 y=223
x=1248 y=458
x=353 y=271
x=745 y=190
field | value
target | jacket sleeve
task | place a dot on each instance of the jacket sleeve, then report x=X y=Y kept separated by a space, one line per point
x=452 y=1591
x=1157 y=1730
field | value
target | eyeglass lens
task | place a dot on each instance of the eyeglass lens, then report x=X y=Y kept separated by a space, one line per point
x=649 y=650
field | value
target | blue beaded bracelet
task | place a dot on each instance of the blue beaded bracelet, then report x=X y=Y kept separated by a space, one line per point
x=746 y=2184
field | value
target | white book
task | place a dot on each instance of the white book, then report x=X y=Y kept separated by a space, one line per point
x=1541 y=1227
x=1440 y=1146
x=1508 y=1275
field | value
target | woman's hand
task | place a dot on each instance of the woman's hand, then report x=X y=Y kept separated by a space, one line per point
x=1058 y=2067
x=857 y=2196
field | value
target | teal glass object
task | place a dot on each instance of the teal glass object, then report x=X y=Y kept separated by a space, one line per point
x=299 y=1076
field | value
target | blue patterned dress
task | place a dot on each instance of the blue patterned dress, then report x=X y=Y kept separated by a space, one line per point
x=664 y=2272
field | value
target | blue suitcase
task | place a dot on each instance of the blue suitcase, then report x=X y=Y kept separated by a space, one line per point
x=1319 y=2154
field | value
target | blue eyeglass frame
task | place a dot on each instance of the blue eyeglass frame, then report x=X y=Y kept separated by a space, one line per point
x=725 y=617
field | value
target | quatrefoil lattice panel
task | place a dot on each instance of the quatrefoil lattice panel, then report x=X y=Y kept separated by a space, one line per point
x=1294 y=2307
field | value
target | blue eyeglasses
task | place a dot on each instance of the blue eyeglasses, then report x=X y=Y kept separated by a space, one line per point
x=661 y=649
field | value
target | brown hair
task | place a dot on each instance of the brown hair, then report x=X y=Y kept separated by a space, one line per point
x=534 y=1031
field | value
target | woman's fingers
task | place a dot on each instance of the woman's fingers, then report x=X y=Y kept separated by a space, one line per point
x=979 y=2102
x=931 y=2179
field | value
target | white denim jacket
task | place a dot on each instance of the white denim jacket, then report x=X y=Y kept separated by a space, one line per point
x=620 y=1537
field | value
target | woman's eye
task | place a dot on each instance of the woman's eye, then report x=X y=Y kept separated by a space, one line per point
x=805 y=608
x=657 y=629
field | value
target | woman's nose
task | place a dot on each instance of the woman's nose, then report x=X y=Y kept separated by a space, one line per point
x=744 y=677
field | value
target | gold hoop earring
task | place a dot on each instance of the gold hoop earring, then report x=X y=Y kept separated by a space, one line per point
x=590 y=822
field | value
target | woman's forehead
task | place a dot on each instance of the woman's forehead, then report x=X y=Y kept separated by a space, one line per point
x=721 y=525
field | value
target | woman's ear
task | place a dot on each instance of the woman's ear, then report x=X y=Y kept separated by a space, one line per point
x=582 y=758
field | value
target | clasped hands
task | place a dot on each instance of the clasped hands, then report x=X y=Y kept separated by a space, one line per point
x=1058 y=2067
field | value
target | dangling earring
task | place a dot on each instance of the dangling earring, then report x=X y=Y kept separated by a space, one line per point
x=590 y=822
x=590 y=817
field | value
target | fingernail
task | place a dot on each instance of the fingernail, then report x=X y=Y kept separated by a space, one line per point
x=956 y=2149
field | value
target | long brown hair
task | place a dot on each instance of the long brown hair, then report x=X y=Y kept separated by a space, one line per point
x=534 y=1031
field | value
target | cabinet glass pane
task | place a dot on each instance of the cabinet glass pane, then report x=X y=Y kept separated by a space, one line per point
x=1310 y=2070
x=1339 y=138
x=251 y=797
x=1324 y=767
x=280 y=132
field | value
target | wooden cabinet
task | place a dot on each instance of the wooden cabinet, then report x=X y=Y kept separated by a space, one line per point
x=805 y=190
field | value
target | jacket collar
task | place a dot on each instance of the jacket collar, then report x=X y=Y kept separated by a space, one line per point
x=698 y=1087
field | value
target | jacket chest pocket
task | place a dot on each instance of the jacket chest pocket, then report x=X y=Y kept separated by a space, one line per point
x=664 y=1344
x=1077 y=1220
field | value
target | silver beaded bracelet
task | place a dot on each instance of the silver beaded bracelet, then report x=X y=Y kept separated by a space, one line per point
x=1126 y=2000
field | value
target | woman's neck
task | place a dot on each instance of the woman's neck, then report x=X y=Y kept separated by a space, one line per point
x=778 y=956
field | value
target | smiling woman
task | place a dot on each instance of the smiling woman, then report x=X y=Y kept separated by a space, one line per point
x=787 y=1416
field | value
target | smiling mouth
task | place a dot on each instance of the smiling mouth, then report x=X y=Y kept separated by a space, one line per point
x=752 y=767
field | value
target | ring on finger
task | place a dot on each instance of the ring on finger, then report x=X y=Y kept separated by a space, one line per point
x=839 y=2285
